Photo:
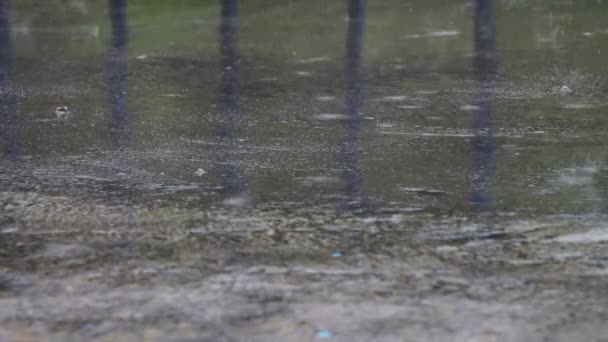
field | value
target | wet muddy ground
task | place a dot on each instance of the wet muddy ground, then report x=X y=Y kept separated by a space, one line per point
x=302 y=171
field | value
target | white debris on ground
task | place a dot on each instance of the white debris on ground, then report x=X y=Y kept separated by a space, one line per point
x=62 y=112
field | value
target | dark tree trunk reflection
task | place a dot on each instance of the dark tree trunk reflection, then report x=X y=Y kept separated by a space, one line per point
x=117 y=74
x=233 y=183
x=9 y=132
x=485 y=65
x=351 y=150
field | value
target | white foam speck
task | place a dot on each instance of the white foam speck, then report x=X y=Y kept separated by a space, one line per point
x=325 y=98
x=172 y=95
x=577 y=176
x=314 y=60
x=422 y=190
x=319 y=179
x=330 y=117
x=409 y=107
x=469 y=108
x=395 y=98
x=576 y=106
x=426 y=92
x=238 y=201
x=448 y=33
x=269 y=79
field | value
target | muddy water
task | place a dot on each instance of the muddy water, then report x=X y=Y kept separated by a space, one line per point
x=282 y=170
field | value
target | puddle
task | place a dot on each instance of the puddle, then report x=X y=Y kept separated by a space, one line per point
x=302 y=170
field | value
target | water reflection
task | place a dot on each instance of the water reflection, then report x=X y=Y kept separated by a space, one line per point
x=117 y=74
x=233 y=183
x=485 y=65
x=350 y=153
x=8 y=101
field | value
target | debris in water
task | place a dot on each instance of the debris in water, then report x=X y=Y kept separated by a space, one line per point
x=330 y=117
x=200 y=172
x=448 y=33
x=269 y=79
x=314 y=60
x=324 y=334
x=394 y=98
x=310 y=180
x=238 y=201
x=565 y=90
x=325 y=98
x=303 y=73
x=62 y=112
x=469 y=108
x=409 y=107
x=577 y=106
x=578 y=176
x=423 y=191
